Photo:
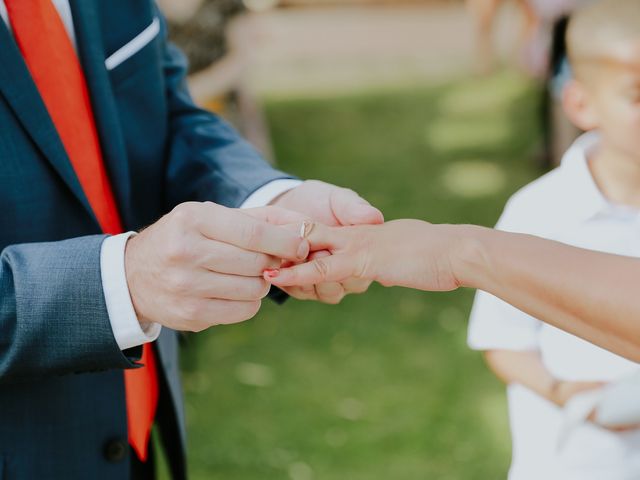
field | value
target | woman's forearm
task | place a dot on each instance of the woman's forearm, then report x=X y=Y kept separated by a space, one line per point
x=593 y=295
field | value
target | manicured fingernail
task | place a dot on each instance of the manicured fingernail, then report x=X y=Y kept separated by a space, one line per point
x=303 y=250
x=272 y=273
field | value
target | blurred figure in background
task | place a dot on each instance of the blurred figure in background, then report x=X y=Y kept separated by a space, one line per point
x=535 y=39
x=590 y=201
x=484 y=13
x=541 y=53
x=548 y=14
x=219 y=38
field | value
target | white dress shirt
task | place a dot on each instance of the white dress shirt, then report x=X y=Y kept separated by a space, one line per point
x=565 y=205
x=127 y=331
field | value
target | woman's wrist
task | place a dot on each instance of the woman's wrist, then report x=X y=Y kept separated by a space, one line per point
x=470 y=255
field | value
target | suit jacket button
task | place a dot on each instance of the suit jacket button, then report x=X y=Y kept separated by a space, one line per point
x=115 y=450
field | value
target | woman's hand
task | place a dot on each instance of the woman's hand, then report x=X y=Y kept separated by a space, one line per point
x=332 y=206
x=408 y=253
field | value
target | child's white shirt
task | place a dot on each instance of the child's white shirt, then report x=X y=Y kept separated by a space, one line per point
x=563 y=205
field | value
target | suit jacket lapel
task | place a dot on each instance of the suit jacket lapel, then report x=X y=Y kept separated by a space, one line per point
x=92 y=56
x=21 y=93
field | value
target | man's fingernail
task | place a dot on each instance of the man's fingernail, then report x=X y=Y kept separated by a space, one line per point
x=303 y=250
x=272 y=273
x=364 y=209
x=369 y=212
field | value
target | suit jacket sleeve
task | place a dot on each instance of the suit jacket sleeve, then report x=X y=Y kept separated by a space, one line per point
x=53 y=317
x=207 y=158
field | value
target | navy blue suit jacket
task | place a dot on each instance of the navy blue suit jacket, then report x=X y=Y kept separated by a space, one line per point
x=62 y=410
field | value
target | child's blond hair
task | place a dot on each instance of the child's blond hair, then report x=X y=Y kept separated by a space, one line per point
x=599 y=26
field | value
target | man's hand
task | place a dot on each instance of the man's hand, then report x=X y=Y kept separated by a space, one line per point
x=332 y=206
x=201 y=264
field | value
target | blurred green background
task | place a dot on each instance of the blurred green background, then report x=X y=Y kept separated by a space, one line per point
x=382 y=386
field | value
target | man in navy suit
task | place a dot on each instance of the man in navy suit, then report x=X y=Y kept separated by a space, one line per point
x=100 y=138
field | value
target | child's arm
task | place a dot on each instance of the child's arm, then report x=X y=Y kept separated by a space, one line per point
x=527 y=369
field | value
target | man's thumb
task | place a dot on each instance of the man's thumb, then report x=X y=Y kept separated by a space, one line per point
x=276 y=215
x=351 y=209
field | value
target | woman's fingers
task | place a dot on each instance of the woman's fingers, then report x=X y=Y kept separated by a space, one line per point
x=334 y=268
x=321 y=237
x=327 y=292
x=301 y=293
x=330 y=292
x=322 y=267
x=356 y=285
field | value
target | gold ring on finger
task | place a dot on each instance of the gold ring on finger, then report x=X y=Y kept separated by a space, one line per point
x=306 y=228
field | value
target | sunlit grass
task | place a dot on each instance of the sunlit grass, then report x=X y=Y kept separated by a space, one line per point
x=382 y=386
x=482 y=98
x=454 y=134
x=471 y=179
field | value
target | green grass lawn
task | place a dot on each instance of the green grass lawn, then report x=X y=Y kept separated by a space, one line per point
x=382 y=386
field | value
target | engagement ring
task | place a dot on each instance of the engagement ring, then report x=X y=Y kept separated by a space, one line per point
x=306 y=228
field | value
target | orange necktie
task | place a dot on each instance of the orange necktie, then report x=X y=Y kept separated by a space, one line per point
x=56 y=71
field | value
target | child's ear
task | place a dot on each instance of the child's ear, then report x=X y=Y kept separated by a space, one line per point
x=578 y=107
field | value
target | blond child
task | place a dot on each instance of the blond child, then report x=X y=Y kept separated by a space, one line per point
x=592 y=201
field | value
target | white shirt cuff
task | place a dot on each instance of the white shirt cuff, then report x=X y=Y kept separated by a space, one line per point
x=267 y=193
x=127 y=331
